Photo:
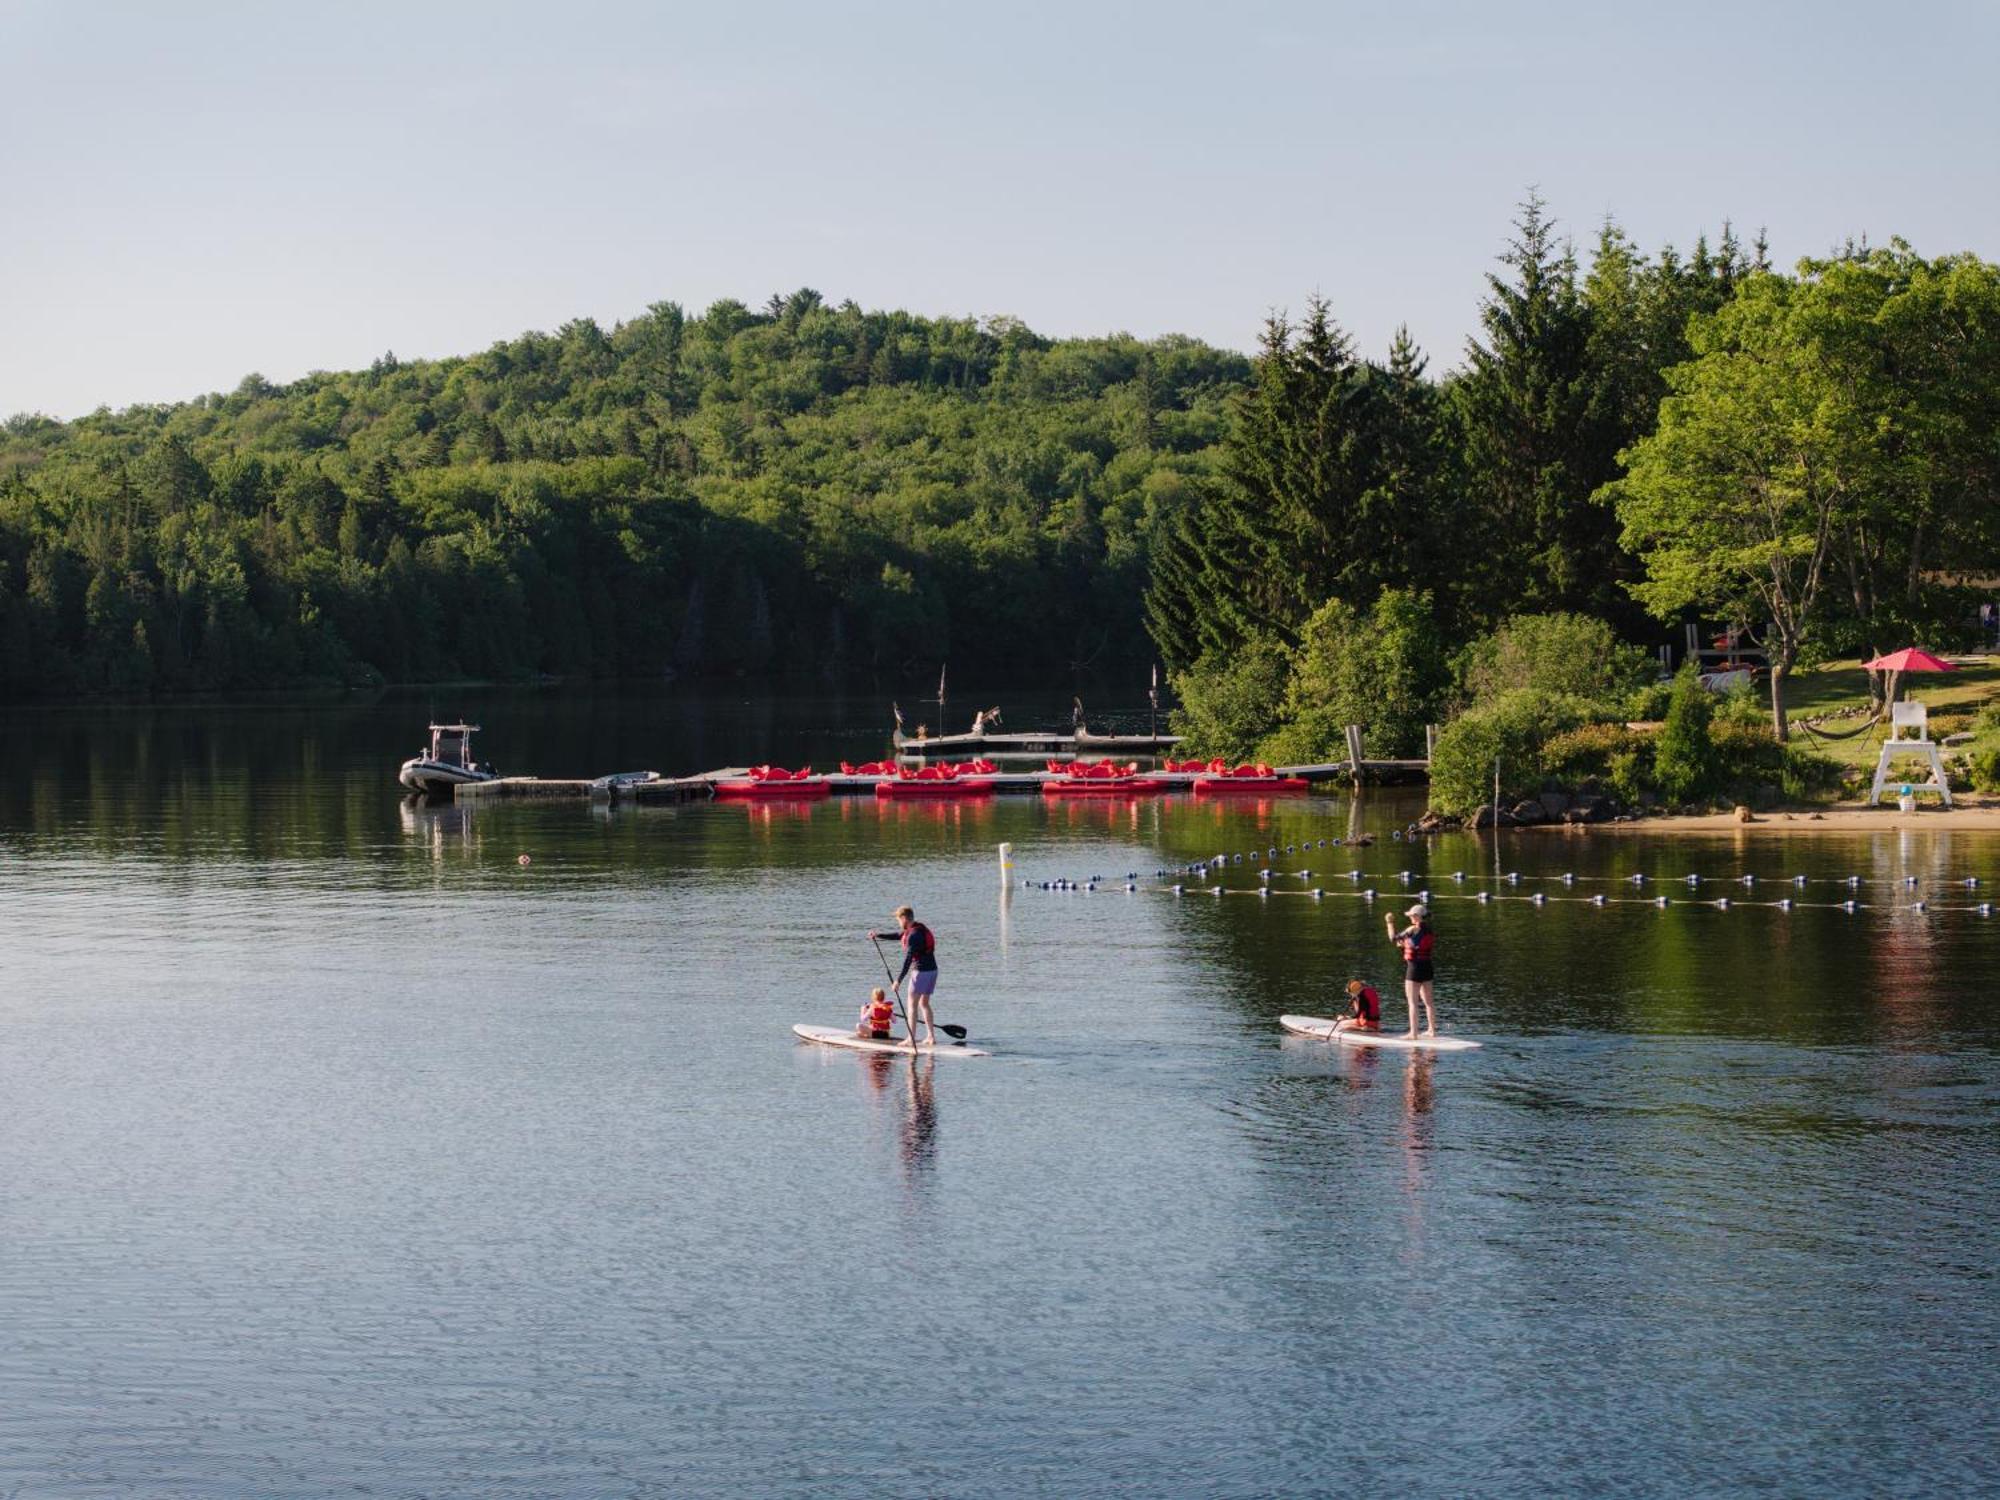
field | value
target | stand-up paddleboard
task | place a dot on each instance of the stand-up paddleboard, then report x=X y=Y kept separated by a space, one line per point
x=835 y=1036
x=1319 y=1026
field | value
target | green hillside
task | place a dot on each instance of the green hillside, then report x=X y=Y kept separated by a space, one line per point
x=803 y=489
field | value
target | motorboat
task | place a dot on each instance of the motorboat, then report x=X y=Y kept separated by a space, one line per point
x=447 y=764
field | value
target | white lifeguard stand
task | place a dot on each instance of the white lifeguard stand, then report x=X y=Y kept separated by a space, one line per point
x=1916 y=718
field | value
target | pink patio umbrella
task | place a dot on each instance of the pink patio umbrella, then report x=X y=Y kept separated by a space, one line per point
x=1909 y=659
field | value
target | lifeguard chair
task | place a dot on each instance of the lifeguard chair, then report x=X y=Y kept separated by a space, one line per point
x=1915 y=718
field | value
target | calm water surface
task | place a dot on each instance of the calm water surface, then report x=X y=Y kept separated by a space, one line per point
x=341 y=1153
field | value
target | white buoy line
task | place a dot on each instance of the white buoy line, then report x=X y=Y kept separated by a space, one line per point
x=1264 y=890
x=1748 y=881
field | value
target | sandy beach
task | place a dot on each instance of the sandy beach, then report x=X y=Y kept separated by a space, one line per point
x=1971 y=811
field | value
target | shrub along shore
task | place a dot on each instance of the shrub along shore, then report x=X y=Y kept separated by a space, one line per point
x=1567 y=753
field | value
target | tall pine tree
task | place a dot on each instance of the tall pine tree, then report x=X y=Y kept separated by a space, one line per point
x=1541 y=434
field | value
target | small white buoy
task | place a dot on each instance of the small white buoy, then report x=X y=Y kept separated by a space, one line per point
x=1799 y=881
x=1597 y=900
x=1404 y=876
x=1263 y=890
x=522 y=860
x=1985 y=908
x=1722 y=903
x=1639 y=879
x=1177 y=890
x=1538 y=898
x=1847 y=906
x=1215 y=890
x=1513 y=877
x=1369 y=894
x=1483 y=897
x=1353 y=874
x=1661 y=902
x=1920 y=906
x=1459 y=876
x=1568 y=879
x=1316 y=893
x=1853 y=881
x=1748 y=881
x=1784 y=903
x=1694 y=880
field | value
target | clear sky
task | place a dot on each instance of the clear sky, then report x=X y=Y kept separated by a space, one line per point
x=194 y=191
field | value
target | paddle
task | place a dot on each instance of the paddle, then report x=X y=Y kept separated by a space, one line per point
x=956 y=1033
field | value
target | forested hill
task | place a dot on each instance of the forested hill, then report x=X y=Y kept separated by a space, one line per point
x=802 y=489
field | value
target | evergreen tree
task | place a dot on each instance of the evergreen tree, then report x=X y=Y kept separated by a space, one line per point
x=1541 y=435
x=1293 y=520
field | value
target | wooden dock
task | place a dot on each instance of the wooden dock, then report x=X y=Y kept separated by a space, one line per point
x=1355 y=768
x=577 y=789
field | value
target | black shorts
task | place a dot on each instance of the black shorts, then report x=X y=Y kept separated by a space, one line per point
x=1417 y=971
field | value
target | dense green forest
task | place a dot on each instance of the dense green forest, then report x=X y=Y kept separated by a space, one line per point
x=802 y=489
x=1306 y=537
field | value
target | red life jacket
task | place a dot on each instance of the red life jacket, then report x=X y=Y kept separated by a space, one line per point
x=1418 y=949
x=880 y=1014
x=1367 y=1007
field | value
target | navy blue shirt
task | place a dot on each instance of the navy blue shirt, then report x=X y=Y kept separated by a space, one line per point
x=919 y=949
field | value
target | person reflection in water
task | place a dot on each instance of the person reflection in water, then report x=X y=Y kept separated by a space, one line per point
x=920 y=1123
x=916 y=1132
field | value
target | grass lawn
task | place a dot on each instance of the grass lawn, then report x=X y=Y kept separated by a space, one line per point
x=1955 y=700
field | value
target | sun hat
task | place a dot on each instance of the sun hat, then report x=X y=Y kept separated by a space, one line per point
x=1419 y=910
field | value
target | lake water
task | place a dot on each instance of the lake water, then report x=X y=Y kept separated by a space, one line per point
x=341 y=1153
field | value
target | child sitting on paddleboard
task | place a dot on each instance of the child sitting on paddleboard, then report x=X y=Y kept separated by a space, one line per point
x=1364 y=1008
x=877 y=1016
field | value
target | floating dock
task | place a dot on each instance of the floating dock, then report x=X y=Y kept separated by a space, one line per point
x=667 y=789
x=1081 y=743
x=578 y=789
x=1021 y=783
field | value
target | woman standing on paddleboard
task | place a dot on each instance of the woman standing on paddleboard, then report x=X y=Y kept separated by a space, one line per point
x=1417 y=942
x=919 y=966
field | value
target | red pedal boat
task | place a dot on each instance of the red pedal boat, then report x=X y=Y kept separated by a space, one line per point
x=773 y=781
x=1098 y=778
x=1261 y=779
x=938 y=781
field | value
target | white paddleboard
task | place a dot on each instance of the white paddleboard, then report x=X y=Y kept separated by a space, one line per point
x=835 y=1036
x=1322 y=1028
